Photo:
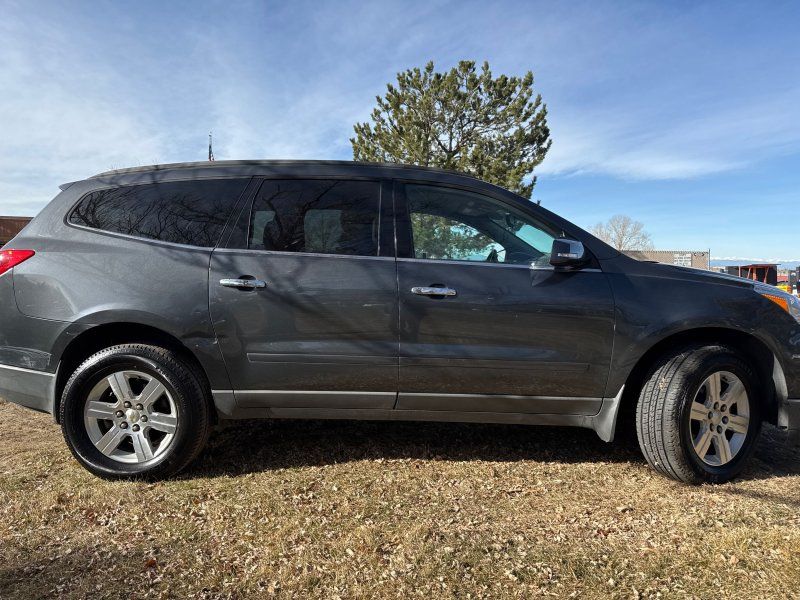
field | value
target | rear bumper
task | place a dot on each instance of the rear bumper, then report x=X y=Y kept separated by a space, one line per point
x=29 y=388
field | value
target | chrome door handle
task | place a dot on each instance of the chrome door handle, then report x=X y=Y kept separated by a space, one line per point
x=433 y=291
x=243 y=284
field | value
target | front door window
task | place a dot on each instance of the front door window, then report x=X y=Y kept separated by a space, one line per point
x=450 y=224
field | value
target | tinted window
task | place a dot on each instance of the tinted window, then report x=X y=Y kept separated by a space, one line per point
x=449 y=224
x=182 y=212
x=321 y=216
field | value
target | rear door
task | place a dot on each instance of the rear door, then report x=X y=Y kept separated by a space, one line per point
x=304 y=296
x=486 y=324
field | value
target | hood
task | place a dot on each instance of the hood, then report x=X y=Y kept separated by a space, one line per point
x=693 y=274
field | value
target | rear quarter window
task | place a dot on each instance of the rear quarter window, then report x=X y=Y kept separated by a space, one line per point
x=191 y=213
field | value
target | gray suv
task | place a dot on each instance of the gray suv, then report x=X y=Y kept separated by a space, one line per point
x=143 y=305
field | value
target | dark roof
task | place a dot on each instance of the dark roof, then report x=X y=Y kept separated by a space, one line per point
x=321 y=168
x=271 y=163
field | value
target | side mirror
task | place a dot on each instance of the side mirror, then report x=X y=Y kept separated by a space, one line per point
x=567 y=254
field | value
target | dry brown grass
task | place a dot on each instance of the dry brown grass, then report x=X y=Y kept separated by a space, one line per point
x=366 y=510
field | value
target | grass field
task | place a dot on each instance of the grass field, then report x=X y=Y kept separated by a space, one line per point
x=383 y=510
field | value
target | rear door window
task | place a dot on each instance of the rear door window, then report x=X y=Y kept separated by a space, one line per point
x=316 y=216
x=192 y=213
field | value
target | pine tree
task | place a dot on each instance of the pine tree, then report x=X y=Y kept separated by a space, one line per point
x=463 y=119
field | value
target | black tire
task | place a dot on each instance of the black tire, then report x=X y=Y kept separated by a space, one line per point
x=662 y=415
x=184 y=385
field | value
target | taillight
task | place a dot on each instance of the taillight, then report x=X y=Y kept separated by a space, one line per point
x=11 y=258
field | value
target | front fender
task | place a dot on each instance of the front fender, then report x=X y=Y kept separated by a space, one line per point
x=652 y=310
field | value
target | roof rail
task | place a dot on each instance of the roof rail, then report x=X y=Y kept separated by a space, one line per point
x=219 y=164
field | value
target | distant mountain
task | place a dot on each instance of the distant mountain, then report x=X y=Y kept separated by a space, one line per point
x=724 y=262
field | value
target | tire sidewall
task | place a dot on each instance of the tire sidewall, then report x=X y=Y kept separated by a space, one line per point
x=75 y=396
x=719 y=361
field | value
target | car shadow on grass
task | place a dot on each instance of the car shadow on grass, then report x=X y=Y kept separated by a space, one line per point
x=253 y=446
x=774 y=456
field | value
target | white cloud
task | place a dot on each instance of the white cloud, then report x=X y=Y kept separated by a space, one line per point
x=64 y=118
x=739 y=259
x=289 y=81
x=711 y=139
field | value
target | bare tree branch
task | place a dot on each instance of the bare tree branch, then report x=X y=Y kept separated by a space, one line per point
x=623 y=233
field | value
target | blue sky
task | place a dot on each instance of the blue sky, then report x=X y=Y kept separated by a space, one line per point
x=683 y=115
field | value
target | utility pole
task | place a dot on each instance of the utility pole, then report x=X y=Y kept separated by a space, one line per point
x=210 y=150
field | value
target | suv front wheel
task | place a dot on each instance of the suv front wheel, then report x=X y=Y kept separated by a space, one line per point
x=698 y=415
x=135 y=410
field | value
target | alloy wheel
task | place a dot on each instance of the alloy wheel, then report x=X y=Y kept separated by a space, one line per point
x=130 y=417
x=719 y=419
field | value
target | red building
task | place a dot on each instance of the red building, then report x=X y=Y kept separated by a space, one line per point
x=11 y=226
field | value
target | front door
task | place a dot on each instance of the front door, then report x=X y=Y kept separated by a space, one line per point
x=304 y=297
x=485 y=323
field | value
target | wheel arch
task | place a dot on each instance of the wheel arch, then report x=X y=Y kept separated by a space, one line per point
x=102 y=336
x=766 y=364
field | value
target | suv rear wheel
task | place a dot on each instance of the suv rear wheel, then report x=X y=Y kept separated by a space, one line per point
x=698 y=415
x=135 y=411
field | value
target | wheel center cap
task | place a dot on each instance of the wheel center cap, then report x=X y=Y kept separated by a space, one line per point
x=132 y=415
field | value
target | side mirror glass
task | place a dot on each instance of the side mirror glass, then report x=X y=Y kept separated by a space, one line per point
x=567 y=254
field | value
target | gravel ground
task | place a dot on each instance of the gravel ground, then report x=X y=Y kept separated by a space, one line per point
x=311 y=509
